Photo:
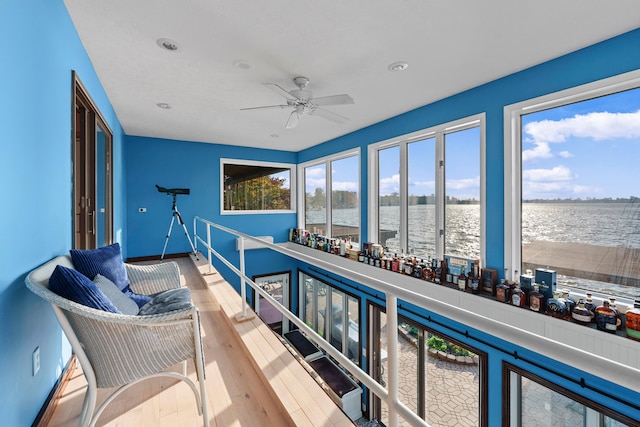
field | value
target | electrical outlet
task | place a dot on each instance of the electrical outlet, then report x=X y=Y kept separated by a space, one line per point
x=36 y=361
x=142 y=210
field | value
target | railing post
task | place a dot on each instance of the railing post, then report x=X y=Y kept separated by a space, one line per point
x=392 y=357
x=209 y=248
x=243 y=284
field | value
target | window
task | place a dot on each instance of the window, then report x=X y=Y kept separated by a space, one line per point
x=441 y=380
x=334 y=182
x=574 y=159
x=249 y=186
x=530 y=400
x=429 y=188
x=323 y=310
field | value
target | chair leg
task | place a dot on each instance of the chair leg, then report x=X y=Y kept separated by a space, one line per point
x=88 y=406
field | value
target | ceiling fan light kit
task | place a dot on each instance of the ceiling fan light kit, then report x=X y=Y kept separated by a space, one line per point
x=303 y=103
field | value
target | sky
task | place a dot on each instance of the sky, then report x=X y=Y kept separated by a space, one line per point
x=589 y=149
x=582 y=150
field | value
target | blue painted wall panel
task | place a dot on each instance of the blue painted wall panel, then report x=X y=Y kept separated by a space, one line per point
x=42 y=48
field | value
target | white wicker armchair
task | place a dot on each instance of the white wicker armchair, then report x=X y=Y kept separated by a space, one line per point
x=117 y=350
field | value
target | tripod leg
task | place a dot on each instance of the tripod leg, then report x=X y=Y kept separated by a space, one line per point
x=173 y=217
x=186 y=233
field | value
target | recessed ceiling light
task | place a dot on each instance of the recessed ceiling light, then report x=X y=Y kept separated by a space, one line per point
x=167 y=44
x=398 y=66
x=242 y=64
x=163 y=105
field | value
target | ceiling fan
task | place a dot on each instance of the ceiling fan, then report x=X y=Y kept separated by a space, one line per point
x=303 y=103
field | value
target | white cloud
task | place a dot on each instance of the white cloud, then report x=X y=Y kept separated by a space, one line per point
x=463 y=184
x=540 y=151
x=558 y=173
x=390 y=185
x=344 y=186
x=597 y=126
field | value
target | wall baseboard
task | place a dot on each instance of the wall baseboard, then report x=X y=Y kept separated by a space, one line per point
x=157 y=257
x=46 y=412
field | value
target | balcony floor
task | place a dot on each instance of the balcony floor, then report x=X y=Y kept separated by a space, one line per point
x=238 y=395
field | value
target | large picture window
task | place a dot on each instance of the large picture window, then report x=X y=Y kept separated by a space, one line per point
x=332 y=196
x=252 y=187
x=429 y=188
x=574 y=159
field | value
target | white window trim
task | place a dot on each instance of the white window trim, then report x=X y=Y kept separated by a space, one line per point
x=513 y=152
x=438 y=132
x=292 y=188
x=326 y=160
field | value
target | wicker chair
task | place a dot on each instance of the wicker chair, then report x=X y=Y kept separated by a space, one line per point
x=117 y=350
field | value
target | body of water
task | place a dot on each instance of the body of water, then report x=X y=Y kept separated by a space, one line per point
x=601 y=224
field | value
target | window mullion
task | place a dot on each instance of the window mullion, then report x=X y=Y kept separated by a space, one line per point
x=404 y=198
x=329 y=197
x=440 y=195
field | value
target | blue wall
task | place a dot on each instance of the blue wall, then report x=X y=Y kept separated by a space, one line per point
x=179 y=164
x=41 y=49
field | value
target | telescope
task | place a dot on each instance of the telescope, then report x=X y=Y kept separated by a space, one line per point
x=172 y=191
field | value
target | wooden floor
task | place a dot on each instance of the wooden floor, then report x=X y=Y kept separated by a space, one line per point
x=237 y=397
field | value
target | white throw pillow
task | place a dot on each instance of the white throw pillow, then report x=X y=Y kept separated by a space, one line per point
x=122 y=302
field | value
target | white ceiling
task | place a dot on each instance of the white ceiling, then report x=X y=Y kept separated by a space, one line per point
x=342 y=46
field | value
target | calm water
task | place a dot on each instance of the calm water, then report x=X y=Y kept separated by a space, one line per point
x=602 y=224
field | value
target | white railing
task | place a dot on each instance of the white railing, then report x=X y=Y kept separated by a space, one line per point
x=390 y=396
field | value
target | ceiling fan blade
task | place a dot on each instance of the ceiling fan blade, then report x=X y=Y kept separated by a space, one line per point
x=333 y=100
x=265 y=107
x=277 y=89
x=293 y=120
x=329 y=115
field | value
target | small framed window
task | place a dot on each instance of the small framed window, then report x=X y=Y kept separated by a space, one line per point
x=256 y=187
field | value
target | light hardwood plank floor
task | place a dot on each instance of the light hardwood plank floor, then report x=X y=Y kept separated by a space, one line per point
x=236 y=395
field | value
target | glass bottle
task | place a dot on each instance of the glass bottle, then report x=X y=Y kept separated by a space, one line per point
x=581 y=314
x=395 y=263
x=474 y=280
x=556 y=306
x=361 y=256
x=606 y=318
x=518 y=297
x=444 y=270
x=462 y=280
x=437 y=278
x=569 y=302
x=502 y=292
x=614 y=307
x=632 y=321
x=589 y=305
x=536 y=299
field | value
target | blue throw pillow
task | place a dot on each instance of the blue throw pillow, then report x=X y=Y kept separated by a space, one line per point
x=107 y=261
x=74 y=286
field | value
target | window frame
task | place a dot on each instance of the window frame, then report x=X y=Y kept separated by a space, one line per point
x=512 y=397
x=438 y=132
x=513 y=152
x=327 y=160
x=292 y=188
x=328 y=325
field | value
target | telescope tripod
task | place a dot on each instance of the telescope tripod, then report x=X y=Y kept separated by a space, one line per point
x=174 y=215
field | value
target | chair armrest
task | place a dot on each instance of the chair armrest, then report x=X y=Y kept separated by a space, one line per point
x=151 y=279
